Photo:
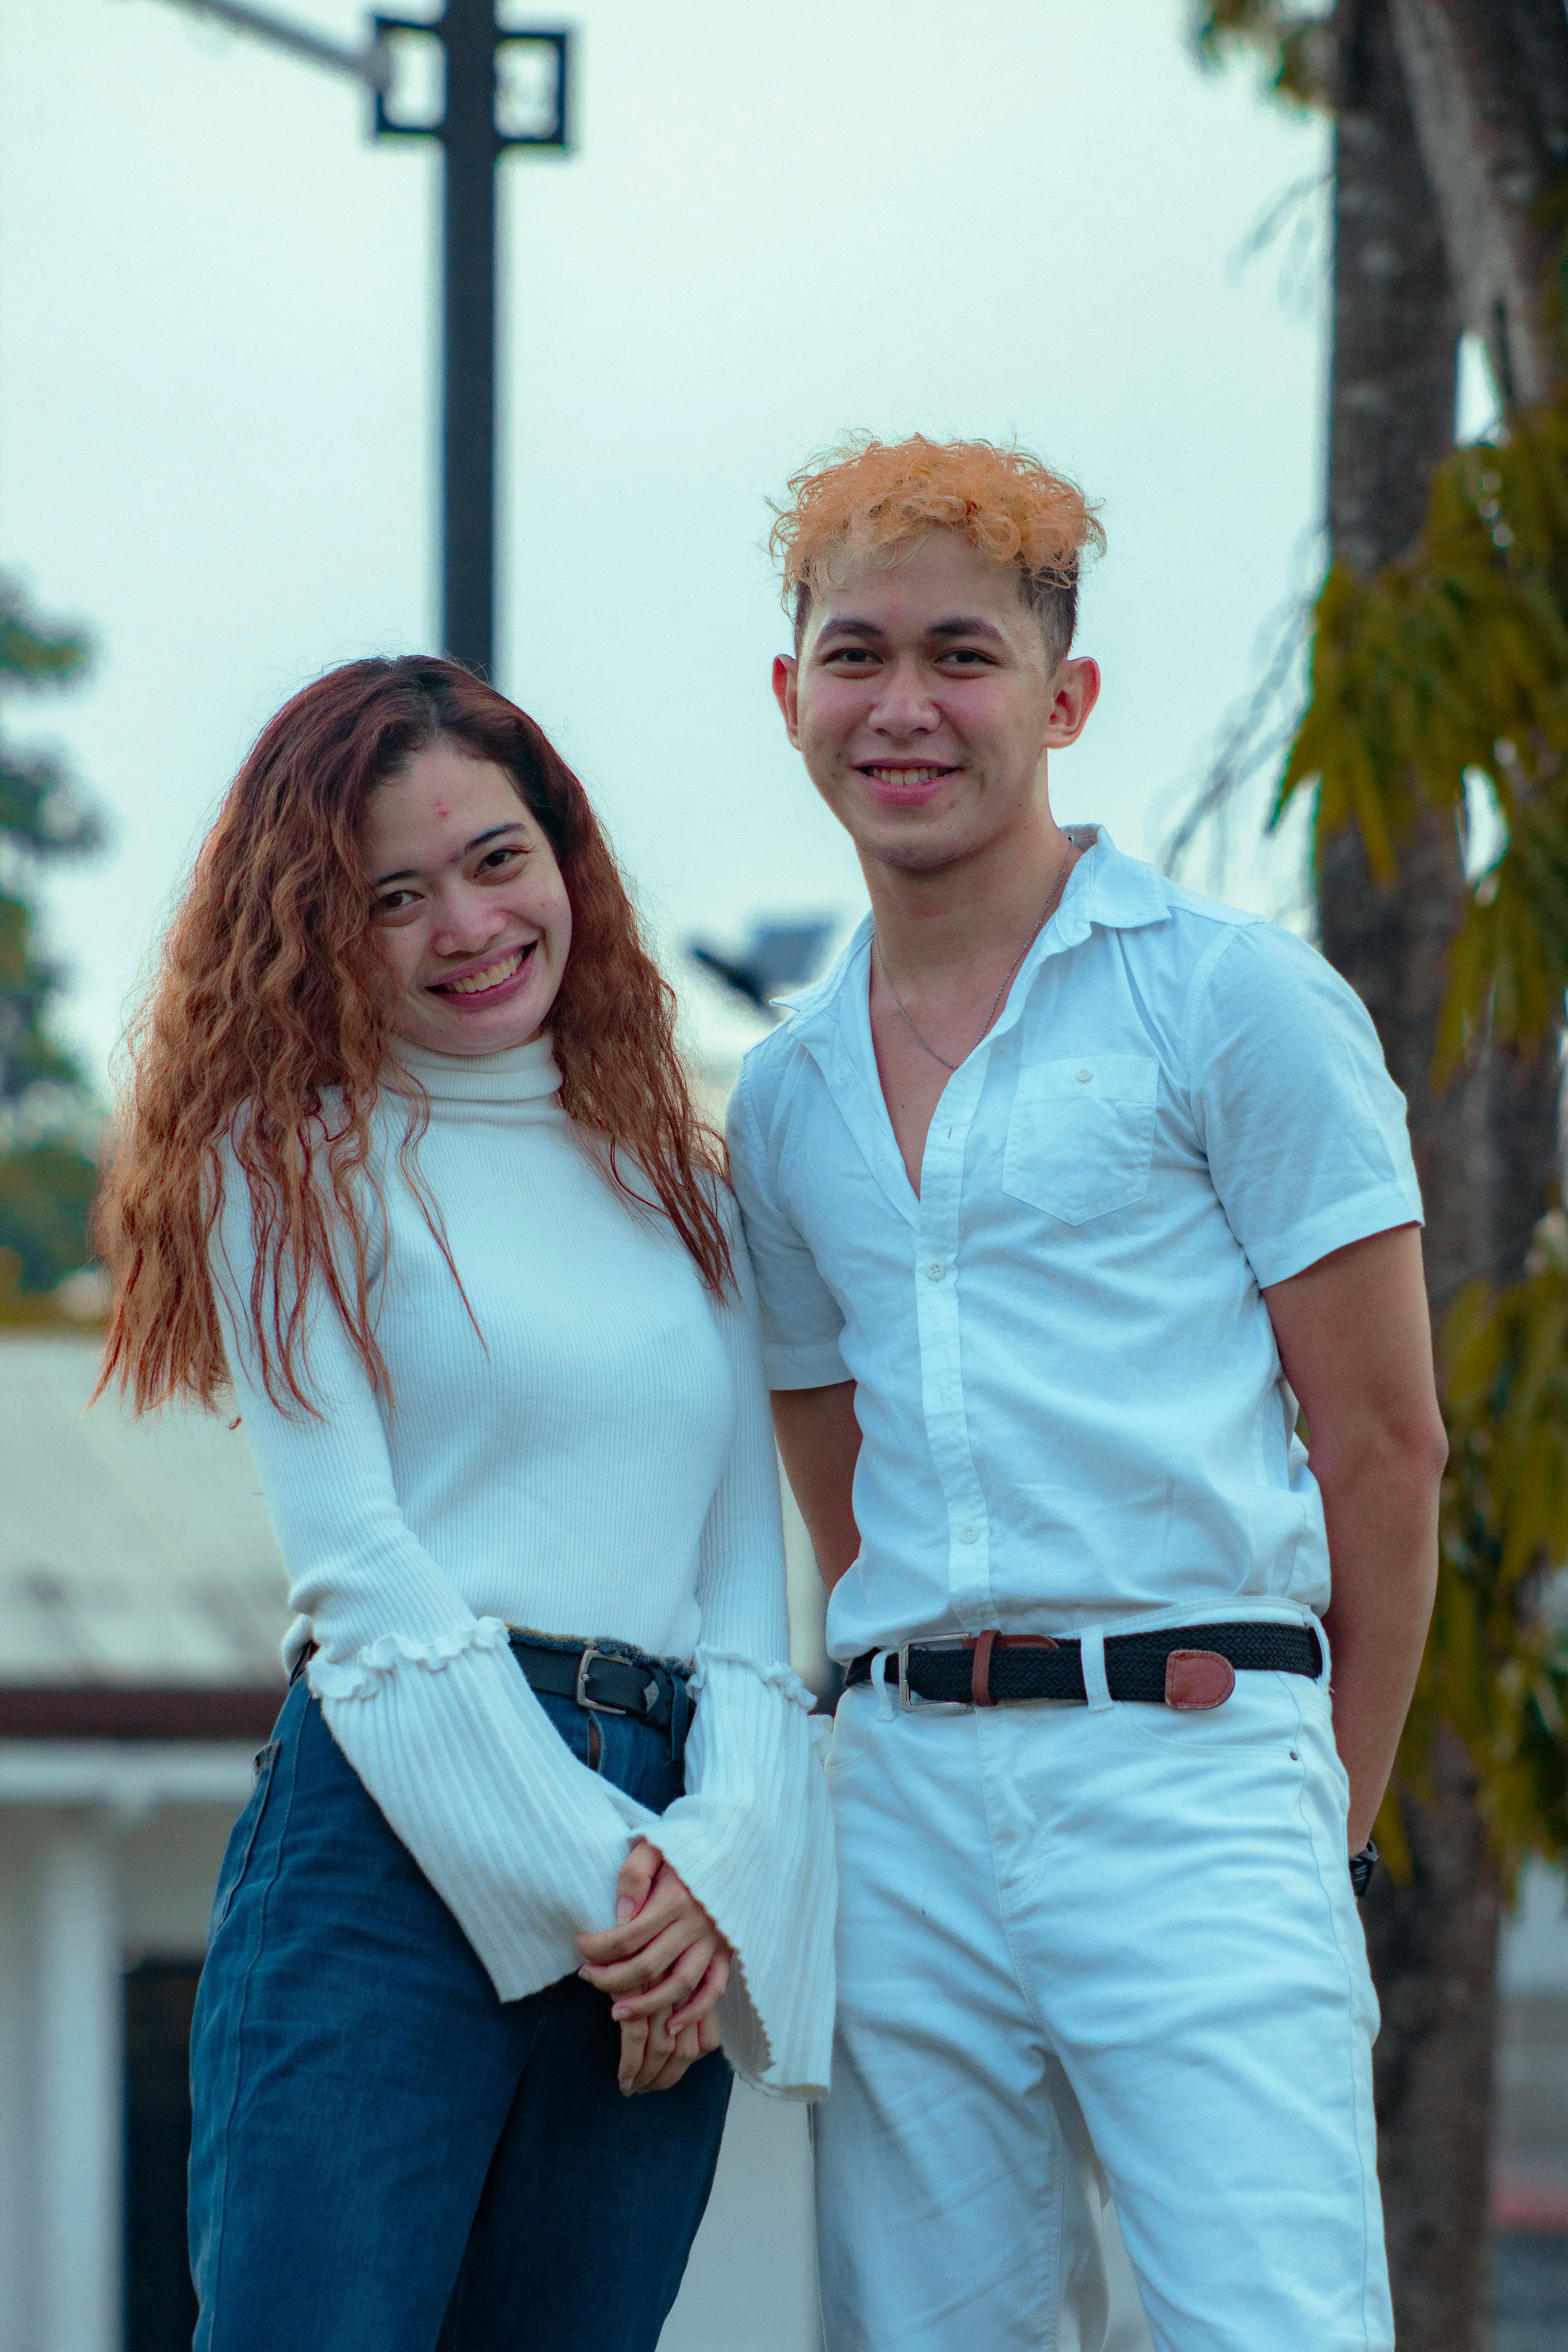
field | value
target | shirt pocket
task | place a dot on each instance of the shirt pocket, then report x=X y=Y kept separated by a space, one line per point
x=1081 y=1137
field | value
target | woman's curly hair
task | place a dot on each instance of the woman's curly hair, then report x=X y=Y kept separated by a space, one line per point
x=875 y=501
x=267 y=1031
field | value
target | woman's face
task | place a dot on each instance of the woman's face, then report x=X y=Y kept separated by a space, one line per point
x=470 y=911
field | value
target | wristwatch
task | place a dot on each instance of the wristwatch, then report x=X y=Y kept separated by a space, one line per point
x=1363 y=1865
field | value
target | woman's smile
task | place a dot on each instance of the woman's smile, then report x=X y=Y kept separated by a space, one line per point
x=493 y=983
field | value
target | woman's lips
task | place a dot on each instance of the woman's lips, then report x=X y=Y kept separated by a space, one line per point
x=491 y=983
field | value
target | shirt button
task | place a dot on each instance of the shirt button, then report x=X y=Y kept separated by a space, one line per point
x=936 y=1270
x=1084 y=1076
x=968 y=1535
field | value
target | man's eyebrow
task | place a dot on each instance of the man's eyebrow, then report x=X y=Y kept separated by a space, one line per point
x=967 y=625
x=845 y=628
x=963 y=625
x=407 y=873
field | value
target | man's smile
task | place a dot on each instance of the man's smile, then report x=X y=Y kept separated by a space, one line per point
x=898 y=781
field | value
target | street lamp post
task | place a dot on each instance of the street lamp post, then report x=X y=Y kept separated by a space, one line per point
x=482 y=116
x=468 y=327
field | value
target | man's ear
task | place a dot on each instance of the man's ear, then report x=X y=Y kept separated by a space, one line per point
x=1076 y=692
x=786 y=691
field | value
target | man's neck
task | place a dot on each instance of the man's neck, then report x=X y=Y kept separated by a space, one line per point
x=945 y=921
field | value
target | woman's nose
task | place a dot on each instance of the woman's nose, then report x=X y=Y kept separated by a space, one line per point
x=467 y=923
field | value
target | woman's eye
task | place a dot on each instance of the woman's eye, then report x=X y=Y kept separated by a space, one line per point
x=500 y=859
x=392 y=902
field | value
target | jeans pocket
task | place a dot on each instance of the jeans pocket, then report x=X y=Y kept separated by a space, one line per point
x=850 y=1743
x=1261 y=1717
x=241 y=1838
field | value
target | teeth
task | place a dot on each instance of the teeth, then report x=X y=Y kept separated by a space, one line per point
x=491 y=976
x=907 y=775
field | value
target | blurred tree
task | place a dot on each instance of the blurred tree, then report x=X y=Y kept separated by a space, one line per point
x=47 y=1177
x=1439 y=673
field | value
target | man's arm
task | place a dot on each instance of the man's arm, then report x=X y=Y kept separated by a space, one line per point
x=819 y=1439
x=1355 y=1341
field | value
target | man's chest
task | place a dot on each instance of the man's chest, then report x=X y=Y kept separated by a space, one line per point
x=1079 y=1157
x=911 y=1082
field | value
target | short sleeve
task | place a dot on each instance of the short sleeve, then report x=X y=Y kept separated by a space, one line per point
x=801 y=1320
x=1304 y=1128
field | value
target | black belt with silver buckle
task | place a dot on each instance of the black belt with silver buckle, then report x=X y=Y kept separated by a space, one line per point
x=1189 y=1667
x=606 y=1682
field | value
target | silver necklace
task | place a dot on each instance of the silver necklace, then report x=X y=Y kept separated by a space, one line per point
x=1068 y=861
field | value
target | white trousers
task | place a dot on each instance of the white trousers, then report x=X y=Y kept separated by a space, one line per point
x=1080 y=1937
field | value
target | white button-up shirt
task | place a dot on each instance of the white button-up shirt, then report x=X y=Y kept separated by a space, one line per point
x=1071 y=1403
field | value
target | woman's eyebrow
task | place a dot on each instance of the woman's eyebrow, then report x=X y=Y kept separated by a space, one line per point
x=409 y=873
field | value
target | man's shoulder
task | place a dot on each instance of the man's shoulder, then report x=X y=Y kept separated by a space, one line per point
x=767 y=1074
x=770 y=1065
x=1197 y=960
x=1131 y=888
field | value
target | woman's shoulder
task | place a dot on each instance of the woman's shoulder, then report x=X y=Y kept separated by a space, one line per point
x=260 y=1174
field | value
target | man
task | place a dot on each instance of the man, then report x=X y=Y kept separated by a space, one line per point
x=1063 y=1188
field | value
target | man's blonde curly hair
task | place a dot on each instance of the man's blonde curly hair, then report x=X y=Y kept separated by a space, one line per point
x=875 y=501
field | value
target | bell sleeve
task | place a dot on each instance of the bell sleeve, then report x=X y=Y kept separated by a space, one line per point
x=753 y=1837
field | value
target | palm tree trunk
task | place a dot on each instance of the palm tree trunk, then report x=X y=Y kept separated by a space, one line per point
x=1432 y=1941
x=1489 y=90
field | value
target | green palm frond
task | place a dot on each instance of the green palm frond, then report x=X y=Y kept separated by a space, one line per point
x=1292 y=47
x=1496 y=1666
x=1449 y=666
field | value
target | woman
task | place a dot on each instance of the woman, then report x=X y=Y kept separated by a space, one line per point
x=411 y=1164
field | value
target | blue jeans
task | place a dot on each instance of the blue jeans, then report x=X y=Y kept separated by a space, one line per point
x=385 y=2158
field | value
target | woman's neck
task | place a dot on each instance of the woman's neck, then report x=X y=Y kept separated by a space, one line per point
x=520 y=1074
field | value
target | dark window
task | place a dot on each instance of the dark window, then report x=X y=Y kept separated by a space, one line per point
x=160 y=2302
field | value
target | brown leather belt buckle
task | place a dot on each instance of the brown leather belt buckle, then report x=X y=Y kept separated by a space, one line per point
x=984 y=1644
x=1196 y=1680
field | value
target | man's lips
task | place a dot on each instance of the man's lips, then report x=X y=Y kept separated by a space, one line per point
x=487 y=980
x=904 y=784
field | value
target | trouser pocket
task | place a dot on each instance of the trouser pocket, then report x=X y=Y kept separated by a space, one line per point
x=241 y=1839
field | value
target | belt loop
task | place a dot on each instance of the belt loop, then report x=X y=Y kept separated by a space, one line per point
x=679 y=1701
x=980 y=1673
x=1091 y=1658
x=880 y=1665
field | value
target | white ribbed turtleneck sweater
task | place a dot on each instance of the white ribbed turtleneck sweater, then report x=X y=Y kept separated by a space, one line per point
x=595 y=1459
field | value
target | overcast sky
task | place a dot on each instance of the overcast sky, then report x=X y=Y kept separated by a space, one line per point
x=783 y=218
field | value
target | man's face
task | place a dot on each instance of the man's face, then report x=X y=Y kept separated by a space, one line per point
x=923 y=703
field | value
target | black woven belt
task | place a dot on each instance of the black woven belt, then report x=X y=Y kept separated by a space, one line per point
x=1135 y=1663
x=607 y=1682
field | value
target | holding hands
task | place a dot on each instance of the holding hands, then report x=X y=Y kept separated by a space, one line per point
x=664 y=1966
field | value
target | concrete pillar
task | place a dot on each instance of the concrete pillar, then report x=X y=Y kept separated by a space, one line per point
x=80 y=2078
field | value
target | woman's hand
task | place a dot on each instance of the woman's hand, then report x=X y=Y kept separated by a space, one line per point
x=664 y=1966
x=653 y=2060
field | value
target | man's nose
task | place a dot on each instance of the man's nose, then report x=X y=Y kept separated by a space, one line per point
x=905 y=705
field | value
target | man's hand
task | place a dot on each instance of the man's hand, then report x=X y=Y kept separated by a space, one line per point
x=666 y=1966
x=1355 y=1341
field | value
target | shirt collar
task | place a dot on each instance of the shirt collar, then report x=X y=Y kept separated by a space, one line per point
x=1104 y=888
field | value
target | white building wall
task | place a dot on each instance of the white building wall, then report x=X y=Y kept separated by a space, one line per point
x=78 y=2087
x=86 y=1892
x=21 y=1838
